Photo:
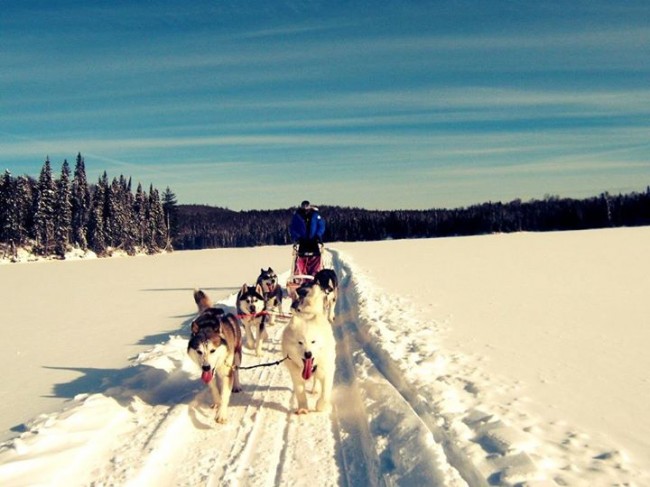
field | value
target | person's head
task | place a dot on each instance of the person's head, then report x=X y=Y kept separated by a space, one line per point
x=305 y=205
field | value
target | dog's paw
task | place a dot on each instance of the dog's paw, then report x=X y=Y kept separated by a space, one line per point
x=221 y=417
x=323 y=407
x=302 y=411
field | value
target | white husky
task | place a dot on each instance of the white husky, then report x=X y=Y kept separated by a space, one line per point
x=308 y=342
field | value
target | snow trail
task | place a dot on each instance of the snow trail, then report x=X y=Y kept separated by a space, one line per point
x=405 y=412
x=380 y=433
x=393 y=417
x=412 y=399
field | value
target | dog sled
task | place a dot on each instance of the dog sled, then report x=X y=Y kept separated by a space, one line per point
x=304 y=268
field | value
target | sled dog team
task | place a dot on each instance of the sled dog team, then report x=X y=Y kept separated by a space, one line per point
x=307 y=343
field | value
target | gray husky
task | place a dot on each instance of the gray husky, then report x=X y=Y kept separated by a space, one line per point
x=272 y=292
x=216 y=348
x=250 y=311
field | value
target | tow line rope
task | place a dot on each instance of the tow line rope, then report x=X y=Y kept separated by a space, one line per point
x=252 y=315
x=263 y=313
x=268 y=364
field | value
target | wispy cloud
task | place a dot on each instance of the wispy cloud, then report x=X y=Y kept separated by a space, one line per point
x=418 y=91
x=389 y=108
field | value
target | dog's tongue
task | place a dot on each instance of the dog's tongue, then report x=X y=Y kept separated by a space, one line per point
x=206 y=376
x=307 y=367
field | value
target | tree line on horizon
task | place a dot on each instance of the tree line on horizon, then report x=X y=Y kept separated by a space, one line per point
x=54 y=215
x=201 y=226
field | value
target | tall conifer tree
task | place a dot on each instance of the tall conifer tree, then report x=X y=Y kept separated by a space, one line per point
x=80 y=204
x=24 y=197
x=140 y=212
x=96 y=229
x=6 y=196
x=156 y=221
x=45 y=210
x=171 y=215
x=63 y=215
x=130 y=229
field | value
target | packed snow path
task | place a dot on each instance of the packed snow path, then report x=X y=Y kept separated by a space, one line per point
x=161 y=430
x=404 y=414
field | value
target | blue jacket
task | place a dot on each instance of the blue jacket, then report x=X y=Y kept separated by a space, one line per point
x=298 y=228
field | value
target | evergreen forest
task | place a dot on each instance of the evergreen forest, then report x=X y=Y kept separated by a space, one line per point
x=52 y=215
x=202 y=227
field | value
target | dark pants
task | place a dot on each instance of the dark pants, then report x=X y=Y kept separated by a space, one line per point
x=308 y=247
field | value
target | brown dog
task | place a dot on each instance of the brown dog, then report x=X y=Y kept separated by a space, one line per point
x=216 y=347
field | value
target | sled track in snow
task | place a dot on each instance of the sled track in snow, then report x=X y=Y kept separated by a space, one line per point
x=265 y=444
x=381 y=432
x=353 y=341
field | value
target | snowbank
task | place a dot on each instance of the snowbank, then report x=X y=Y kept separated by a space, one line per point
x=501 y=360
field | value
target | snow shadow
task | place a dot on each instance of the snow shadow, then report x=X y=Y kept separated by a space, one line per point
x=191 y=289
x=152 y=385
x=155 y=386
x=163 y=336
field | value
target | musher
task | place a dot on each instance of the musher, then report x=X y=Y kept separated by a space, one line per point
x=306 y=230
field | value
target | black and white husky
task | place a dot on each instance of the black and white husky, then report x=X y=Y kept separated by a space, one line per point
x=251 y=313
x=215 y=347
x=328 y=281
x=272 y=292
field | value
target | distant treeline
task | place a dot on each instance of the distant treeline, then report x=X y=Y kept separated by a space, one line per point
x=53 y=215
x=202 y=227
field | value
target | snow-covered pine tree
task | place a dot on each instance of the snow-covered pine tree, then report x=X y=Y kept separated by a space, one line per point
x=63 y=215
x=6 y=193
x=113 y=221
x=157 y=228
x=12 y=228
x=118 y=216
x=45 y=210
x=24 y=198
x=80 y=204
x=108 y=220
x=130 y=232
x=171 y=215
x=141 y=210
x=96 y=230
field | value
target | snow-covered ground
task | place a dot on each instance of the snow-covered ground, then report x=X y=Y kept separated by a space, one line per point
x=501 y=360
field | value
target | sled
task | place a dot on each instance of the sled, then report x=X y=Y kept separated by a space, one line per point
x=297 y=279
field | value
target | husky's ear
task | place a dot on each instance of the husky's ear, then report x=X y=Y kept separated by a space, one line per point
x=270 y=271
x=262 y=271
x=259 y=290
x=244 y=288
x=194 y=327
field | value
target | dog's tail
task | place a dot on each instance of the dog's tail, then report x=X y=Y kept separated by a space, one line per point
x=202 y=300
x=198 y=295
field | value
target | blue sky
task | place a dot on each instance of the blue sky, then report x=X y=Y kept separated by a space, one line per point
x=382 y=104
